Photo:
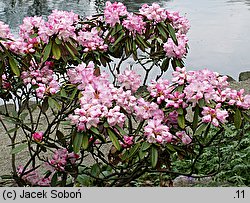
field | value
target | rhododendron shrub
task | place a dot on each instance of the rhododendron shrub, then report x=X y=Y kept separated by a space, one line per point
x=86 y=118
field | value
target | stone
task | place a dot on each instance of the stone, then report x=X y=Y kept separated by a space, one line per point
x=244 y=76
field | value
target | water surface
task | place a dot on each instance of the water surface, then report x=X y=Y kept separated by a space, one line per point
x=219 y=35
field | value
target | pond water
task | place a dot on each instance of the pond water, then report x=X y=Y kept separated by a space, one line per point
x=218 y=38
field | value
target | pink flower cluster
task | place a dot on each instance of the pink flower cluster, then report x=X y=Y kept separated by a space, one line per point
x=198 y=85
x=5 y=31
x=38 y=136
x=180 y=23
x=113 y=12
x=91 y=40
x=5 y=83
x=97 y=98
x=33 y=178
x=134 y=23
x=127 y=141
x=154 y=12
x=186 y=139
x=35 y=30
x=60 y=23
x=176 y=51
x=130 y=80
x=60 y=159
x=160 y=89
x=236 y=98
x=215 y=115
x=156 y=132
x=145 y=110
x=43 y=77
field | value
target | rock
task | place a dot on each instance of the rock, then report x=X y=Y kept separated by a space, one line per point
x=230 y=79
x=244 y=76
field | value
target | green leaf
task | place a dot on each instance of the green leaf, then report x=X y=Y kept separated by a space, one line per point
x=77 y=143
x=84 y=180
x=118 y=40
x=45 y=105
x=237 y=119
x=85 y=141
x=227 y=129
x=47 y=51
x=201 y=103
x=94 y=130
x=162 y=31
x=114 y=139
x=121 y=131
x=70 y=51
x=133 y=150
x=171 y=32
x=196 y=117
x=170 y=147
x=247 y=117
x=14 y=66
x=165 y=64
x=95 y=170
x=201 y=128
x=12 y=130
x=181 y=121
x=60 y=137
x=142 y=154
x=106 y=125
x=180 y=111
x=23 y=116
x=53 y=103
x=54 y=180
x=145 y=146
x=125 y=155
x=19 y=148
x=154 y=156
x=58 y=41
x=63 y=93
x=142 y=41
x=56 y=51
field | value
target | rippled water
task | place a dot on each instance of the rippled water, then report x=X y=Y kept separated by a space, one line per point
x=219 y=35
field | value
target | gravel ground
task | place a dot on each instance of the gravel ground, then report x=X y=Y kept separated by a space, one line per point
x=5 y=149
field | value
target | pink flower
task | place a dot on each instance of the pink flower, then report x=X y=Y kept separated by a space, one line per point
x=125 y=99
x=154 y=12
x=130 y=80
x=127 y=141
x=5 y=31
x=115 y=117
x=160 y=89
x=176 y=51
x=237 y=98
x=54 y=87
x=145 y=110
x=113 y=12
x=157 y=132
x=180 y=23
x=171 y=119
x=60 y=23
x=175 y=100
x=40 y=91
x=214 y=116
x=37 y=136
x=184 y=137
x=134 y=24
x=91 y=40
x=179 y=75
x=5 y=83
x=60 y=158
